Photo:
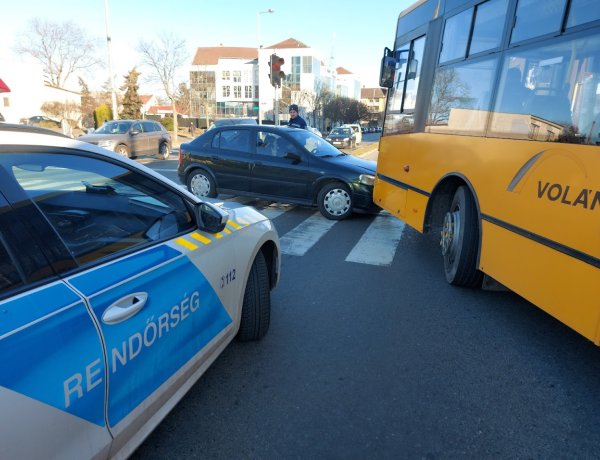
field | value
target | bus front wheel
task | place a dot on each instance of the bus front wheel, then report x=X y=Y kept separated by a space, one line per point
x=460 y=240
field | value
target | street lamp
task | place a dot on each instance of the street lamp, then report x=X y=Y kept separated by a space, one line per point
x=259 y=46
x=112 y=76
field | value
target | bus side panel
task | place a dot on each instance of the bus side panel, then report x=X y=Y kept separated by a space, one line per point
x=561 y=285
x=390 y=197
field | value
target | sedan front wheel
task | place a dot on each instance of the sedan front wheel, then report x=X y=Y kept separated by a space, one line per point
x=335 y=201
x=201 y=184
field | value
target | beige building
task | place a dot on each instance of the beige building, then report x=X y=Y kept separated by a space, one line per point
x=374 y=99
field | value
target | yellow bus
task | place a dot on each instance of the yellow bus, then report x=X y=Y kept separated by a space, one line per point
x=492 y=137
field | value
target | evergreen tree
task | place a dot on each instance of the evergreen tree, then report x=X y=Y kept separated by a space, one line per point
x=88 y=104
x=131 y=102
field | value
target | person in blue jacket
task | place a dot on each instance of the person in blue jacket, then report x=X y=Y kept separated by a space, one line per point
x=296 y=121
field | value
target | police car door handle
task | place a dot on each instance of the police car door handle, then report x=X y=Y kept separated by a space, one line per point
x=124 y=308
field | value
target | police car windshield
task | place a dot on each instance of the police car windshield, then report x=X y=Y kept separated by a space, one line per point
x=315 y=145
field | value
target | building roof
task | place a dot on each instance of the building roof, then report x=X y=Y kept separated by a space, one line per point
x=372 y=93
x=287 y=44
x=342 y=71
x=211 y=55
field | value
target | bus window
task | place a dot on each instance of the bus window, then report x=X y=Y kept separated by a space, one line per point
x=403 y=95
x=534 y=18
x=456 y=36
x=582 y=11
x=561 y=101
x=461 y=98
x=489 y=24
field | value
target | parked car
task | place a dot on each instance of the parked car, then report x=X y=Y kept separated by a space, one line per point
x=232 y=121
x=342 y=137
x=41 y=121
x=357 y=132
x=118 y=289
x=277 y=163
x=130 y=138
x=314 y=131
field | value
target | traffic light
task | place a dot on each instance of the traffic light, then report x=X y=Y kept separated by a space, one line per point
x=276 y=74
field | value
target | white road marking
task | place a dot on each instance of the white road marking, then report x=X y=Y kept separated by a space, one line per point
x=378 y=244
x=276 y=209
x=299 y=240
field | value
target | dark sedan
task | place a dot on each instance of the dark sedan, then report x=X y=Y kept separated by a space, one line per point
x=342 y=137
x=280 y=164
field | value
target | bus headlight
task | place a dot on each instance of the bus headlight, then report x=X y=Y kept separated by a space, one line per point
x=366 y=179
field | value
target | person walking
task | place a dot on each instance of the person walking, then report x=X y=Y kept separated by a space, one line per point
x=296 y=121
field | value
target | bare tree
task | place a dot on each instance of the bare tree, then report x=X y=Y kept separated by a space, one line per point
x=165 y=57
x=62 y=48
x=315 y=101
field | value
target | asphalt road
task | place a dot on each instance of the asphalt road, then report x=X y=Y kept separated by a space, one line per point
x=367 y=360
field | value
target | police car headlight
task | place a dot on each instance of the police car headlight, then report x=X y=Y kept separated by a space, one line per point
x=106 y=144
x=366 y=179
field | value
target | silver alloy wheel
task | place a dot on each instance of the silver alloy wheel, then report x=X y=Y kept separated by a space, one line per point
x=164 y=151
x=200 y=185
x=337 y=201
x=122 y=150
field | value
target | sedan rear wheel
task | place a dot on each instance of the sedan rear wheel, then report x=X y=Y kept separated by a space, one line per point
x=335 y=201
x=201 y=184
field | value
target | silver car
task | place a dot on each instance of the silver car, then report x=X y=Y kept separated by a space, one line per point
x=131 y=138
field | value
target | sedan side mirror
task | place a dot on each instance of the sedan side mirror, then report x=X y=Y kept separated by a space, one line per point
x=294 y=157
x=210 y=218
x=135 y=131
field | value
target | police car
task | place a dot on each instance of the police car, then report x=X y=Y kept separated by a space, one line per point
x=118 y=289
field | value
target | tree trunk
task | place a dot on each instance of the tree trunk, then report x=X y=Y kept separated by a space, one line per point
x=175 y=127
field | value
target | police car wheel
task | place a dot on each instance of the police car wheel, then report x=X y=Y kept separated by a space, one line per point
x=201 y=184
x=335 y=201
x=256 y=309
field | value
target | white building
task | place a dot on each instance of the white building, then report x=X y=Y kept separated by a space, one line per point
x=234 y=81
x=28 y=92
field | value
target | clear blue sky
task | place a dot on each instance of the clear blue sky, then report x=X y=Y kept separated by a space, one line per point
x=354 y=32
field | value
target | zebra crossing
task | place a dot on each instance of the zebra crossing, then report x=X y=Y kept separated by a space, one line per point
x=377 y=245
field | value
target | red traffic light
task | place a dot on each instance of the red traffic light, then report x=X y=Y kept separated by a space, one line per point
x=276 y=74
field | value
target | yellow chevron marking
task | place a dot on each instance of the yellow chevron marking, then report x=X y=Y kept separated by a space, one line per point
x=201 y=238
x=234 y=224
x=186 y=244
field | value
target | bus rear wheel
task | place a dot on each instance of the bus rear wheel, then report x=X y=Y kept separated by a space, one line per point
x=460 y=241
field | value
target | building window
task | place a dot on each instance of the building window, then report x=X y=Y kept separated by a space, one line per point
x=307 y=64
x=226 y=75
x=226 y=91
x=237 y=92
x=237 y=76
x=256 y=94
x=6 y=101
x=248 y=92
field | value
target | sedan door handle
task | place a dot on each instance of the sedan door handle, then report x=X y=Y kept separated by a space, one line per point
x=124 y=308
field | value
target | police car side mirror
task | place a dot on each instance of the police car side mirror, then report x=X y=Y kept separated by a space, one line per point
x=210 y=218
